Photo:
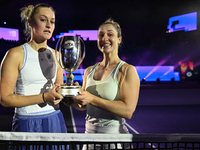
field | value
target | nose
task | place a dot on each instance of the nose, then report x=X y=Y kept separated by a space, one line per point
x=48 y=24
x=105 y=38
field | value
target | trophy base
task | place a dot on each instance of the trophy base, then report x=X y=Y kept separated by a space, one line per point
x=69 y=91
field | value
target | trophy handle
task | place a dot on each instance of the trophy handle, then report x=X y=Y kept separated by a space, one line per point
x=58 y=50
x=83 y=56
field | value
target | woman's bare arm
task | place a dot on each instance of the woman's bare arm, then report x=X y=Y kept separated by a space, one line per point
x=9 y=73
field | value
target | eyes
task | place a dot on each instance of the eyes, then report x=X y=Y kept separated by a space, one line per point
x=45 y=20
x=101 y=35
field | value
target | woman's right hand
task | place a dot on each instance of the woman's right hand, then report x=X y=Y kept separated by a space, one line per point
x=53 y=96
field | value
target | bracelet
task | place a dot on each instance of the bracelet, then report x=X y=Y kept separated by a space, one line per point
x=43 y=98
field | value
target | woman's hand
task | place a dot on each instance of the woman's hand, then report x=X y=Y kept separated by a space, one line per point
x=84 y=98
x=53 y=96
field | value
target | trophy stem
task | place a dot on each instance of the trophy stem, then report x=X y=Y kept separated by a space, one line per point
x=69 y=79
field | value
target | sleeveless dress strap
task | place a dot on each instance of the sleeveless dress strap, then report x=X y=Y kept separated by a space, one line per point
x=25 y=55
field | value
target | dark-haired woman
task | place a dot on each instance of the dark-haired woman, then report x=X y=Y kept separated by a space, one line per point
x=110 y=88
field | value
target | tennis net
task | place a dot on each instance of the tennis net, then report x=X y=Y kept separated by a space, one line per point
x=76 y=141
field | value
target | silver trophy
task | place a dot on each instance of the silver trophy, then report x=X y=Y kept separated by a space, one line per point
x=71 y=52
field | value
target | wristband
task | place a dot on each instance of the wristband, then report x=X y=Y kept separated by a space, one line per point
x=43 y=98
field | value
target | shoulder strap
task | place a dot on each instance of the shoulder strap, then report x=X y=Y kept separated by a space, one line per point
x=94 y=67
x=25 y=55
x=116 y=70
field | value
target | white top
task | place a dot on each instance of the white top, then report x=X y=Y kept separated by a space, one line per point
x=37 y=75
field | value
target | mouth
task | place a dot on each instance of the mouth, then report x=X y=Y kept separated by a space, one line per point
x=47 y=31
x=105 y=45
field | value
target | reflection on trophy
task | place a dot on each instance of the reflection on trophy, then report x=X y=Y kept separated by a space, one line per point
x=71 y=52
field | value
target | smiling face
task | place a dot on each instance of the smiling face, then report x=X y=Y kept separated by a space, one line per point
x=43 y=24
x=108 y=40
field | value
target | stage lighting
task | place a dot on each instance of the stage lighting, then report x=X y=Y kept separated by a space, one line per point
x=189 y=74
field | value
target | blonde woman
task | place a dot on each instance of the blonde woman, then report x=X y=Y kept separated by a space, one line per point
x=30 y=76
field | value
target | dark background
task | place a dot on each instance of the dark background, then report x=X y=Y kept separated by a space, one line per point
x=143 y=22
x=171 y=107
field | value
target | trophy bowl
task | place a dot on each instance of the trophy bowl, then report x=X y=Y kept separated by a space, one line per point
x=70 y=52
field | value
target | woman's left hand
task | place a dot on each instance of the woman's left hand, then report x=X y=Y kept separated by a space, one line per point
x=84 y=98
